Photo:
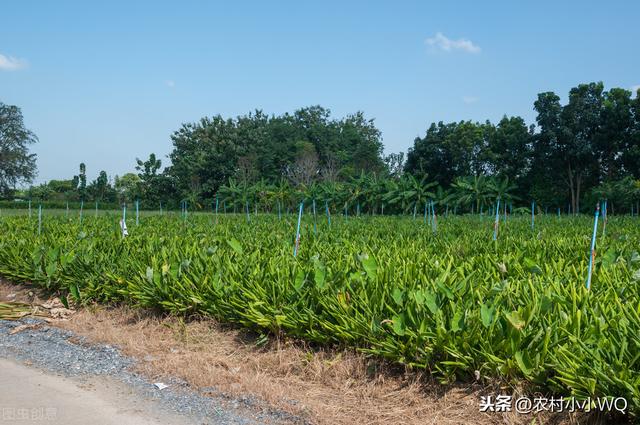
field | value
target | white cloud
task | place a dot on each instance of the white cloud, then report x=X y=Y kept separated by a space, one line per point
x=469 y=99
x=9 y=63
x=170 y=83
x=635 y=88
x=440 y=41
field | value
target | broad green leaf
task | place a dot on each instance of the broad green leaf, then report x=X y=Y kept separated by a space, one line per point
x=524 y=363
x=457 y=323
x=149 y=275
x=515 y=319
x=299 y=280
x=418 y=295
x=398 y=324
x=532 y=266
x=73 y=289
x=430 y=300
x=398 y=296
x=319 y=274
x=235 y=245
x=486 y=313
x=370 y=266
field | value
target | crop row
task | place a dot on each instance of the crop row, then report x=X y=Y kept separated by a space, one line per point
x=454 y=302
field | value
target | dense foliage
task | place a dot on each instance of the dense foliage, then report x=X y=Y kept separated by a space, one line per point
x=444 y=298
x=575 y=149
x=576 y=153
x=303 y=147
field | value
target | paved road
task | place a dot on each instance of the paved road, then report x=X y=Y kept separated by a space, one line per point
x=30 y=396
x=52 y=376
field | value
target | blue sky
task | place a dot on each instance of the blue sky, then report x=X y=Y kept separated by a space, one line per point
x=104 y=83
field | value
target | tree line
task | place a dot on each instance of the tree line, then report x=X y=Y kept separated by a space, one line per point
x=585 y=149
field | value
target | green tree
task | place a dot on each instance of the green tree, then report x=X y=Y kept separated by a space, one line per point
x=128 y=187
x=80 y=182
x=17 y=165
x=509 y=155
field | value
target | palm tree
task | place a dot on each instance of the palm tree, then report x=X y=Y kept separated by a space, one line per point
x=472 y=191
x=443 y=197
x=501 y=189
x=260 y=192
x=281 y=194
x=358 y=191
x=410 y=192
x=235 y=193
x=373 y=191
x=330 y=193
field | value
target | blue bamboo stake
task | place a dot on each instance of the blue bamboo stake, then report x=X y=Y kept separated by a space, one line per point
x=81 y=209
x=414 y=210
x=434 y=222
x=29 y=209
x=137 y=212
x=67 y=209
x=558 y=212
x=346 y=212
x=358 y=209
x=160 y=207
x=315 y=227
x=39 y=219
x=432 y=212
x=495 y=224
x=123 y=226
x=592 y=255
x=505 y=212
x=247 y=210
x=425 y=212
x=326 y=207
x=279 y=211
x=96 y=209
x=217 y=206
x=297 y=241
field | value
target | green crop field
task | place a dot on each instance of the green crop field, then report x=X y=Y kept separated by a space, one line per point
x=453 y=301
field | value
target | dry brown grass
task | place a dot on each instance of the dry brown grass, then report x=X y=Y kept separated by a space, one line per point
x=322 y=386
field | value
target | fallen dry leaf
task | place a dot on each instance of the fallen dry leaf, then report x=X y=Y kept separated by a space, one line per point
x=23 y=328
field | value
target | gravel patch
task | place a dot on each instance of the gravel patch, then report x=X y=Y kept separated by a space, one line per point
x=65 y=353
